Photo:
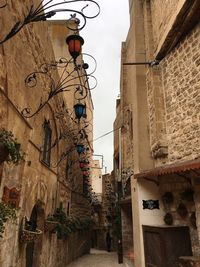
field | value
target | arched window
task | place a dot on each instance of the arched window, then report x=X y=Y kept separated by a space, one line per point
x=47 y=143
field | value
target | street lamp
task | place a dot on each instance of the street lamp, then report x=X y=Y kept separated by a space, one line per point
x=79 y=110
x=80 y=148
x=75 y=43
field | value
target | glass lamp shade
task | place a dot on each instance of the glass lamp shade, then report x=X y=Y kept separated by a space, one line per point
x=82 y=165
x=79 y=110
x=75 y=43
x=80 y=148
x=85 y=173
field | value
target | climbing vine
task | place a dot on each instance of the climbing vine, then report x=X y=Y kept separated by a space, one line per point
x=6 y=213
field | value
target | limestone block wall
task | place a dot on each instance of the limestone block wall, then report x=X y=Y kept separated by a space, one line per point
x=181 y=84
x=162 y=12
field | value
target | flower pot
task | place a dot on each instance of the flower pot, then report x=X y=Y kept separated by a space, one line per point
x=28 y=236
x=4 y=152
x=50 y=226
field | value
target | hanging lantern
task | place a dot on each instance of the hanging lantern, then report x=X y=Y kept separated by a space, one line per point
x=79 y=110
x=85 y=173
x=75 y=43
x=81 y=164
x=80 y=148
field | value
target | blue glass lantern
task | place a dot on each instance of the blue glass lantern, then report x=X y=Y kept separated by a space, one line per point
x=80 y=148
x=79 y=110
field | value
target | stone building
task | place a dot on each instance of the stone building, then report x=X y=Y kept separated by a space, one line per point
x=50 y=177
x=160 y=82
x=123 y=166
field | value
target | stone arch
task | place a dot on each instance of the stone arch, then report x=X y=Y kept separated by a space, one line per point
x=33 y=249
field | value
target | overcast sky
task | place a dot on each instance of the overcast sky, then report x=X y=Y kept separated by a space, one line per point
x=103 y=36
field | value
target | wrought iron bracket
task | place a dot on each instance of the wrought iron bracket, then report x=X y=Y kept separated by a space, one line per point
x=74 y=77
x=49 y=8
x=150 y=63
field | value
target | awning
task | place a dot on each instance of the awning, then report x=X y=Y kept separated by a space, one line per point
x=179 y=167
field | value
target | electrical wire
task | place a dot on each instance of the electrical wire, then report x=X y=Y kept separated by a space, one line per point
x=106 y=134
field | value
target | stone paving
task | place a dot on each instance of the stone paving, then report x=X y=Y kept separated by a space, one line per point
x=99 y=258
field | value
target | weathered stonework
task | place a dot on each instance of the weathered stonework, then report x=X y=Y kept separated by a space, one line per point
x=181 y=77
x=37 y=181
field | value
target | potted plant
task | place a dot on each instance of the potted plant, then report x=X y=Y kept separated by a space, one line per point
x=10 y=149
x=6 y=212
x=51 y=224
x=29 y=232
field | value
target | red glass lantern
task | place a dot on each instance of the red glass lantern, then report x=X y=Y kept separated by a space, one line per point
x=75 y=43
x=81 y=165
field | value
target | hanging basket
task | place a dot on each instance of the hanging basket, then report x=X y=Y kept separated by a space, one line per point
x=50 y=226
x=28 y=236
x=4 y=152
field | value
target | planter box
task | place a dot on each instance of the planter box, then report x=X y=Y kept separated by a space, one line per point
x=27 y=236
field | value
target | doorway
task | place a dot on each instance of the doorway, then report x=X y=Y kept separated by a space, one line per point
x=33 y=249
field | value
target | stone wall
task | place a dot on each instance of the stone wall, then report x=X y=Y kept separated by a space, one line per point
x=173 y=98
x=162 y=11
x=19 y=56
x=181 y=77
x=127 y=230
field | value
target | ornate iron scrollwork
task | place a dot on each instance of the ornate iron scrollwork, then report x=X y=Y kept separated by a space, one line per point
x=70 y=78
x=47 y=9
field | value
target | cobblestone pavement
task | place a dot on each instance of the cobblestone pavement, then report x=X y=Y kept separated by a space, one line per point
x=98 y=258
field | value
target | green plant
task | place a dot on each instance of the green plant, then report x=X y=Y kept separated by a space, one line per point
x=68 y=225
x=6 y=212
x=12 y=147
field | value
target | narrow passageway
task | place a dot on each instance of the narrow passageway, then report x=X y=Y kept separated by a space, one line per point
x=99 y=258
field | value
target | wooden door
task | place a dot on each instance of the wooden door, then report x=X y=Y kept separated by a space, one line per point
x=164 y=245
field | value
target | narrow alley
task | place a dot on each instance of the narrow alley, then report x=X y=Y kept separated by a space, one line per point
x=99 y=258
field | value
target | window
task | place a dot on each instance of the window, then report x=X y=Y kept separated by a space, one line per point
x=47 y=142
